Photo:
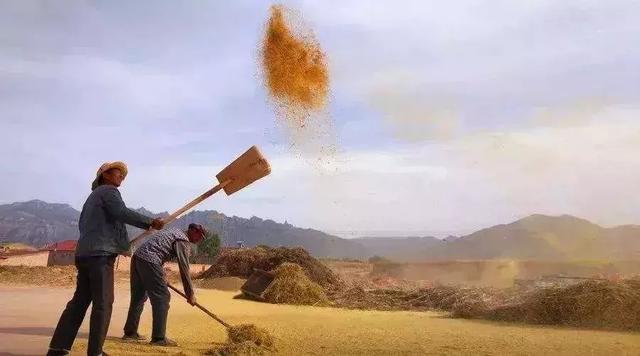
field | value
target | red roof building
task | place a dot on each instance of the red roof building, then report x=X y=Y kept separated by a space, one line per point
x=66 y=245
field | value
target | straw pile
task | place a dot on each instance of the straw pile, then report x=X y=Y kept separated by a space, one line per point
x=593 y=303
x=245 y=339
x=462 y=302
x=292 y=286
x=249 y=332
x=294 y=66
x=241 y=263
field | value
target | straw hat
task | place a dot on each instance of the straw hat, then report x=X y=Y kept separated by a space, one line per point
x=107 y=166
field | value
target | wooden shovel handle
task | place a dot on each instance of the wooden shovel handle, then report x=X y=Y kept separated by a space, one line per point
x=200 y=306
x=169 y=219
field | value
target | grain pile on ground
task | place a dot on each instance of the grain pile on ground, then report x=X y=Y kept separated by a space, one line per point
x=245 y=339
x=241 y=263
x=294 y=66
x=57 y=276
x=292 y=286
x=250 y=332
x=54 y=276
x=222 y=283
x=462 y=302
x=240 y=348
x=13 y=247
x=593 y=303
x=376 y=299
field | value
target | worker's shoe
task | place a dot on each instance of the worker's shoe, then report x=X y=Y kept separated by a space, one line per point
x=163 y=342
x=57 y=352
x=133 y=337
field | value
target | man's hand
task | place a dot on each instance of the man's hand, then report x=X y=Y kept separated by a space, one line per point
x=157 y=224
x=192 y=299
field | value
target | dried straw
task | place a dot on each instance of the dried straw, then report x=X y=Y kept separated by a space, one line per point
x=245 y=339
x=292 y=286
x=599 y=304
x=242 y=262
x=249 y=332
x=463 y=302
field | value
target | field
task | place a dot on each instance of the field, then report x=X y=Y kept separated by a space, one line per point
x=305 y=330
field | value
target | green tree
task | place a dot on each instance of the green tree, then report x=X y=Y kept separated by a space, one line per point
x=210 y=245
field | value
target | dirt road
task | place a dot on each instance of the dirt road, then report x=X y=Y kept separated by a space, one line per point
x=28 y=315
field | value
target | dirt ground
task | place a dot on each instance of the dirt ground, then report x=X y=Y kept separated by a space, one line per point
x=26 y=330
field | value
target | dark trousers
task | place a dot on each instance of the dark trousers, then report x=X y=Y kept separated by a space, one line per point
x=94 y=286
x=148 y=281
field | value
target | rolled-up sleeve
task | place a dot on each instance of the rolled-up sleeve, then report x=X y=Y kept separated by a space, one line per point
x=116 y=208
x=182 y=253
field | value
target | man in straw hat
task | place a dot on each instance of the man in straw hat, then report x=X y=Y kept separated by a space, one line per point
x=103 y=236
x=148 y=279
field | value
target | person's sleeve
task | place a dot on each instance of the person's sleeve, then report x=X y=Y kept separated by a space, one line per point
x=182 y=252
x=115 y=207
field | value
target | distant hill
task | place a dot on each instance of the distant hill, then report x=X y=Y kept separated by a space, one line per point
x=399 y=248
x=38 y=223
x=536 y=237
x=542 y=237
x=256 y=231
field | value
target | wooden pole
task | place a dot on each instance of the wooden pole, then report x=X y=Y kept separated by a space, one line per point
x=169 y=219
x=200 y=307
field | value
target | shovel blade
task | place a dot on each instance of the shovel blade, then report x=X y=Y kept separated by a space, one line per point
x=246 y=169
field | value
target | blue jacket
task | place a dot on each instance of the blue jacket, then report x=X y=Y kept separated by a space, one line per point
x=102 y=229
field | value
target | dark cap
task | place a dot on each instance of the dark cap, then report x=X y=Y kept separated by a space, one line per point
x=198 y=228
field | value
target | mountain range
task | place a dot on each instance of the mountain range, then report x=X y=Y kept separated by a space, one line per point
x=536 y=237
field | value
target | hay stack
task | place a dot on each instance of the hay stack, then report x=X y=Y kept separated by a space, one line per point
x=469 y=308
x=241 y=262
x=249 y=332
x=245 y=339
x=599 y=304
x=462 y=302
x=235 y=263
x=374 y=299
x=292 y=286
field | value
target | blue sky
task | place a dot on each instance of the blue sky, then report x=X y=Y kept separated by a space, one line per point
x=449 y=116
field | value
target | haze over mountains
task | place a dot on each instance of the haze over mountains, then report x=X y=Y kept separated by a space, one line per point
x=537 y=237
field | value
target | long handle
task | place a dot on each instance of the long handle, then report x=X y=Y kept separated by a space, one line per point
x=169 y=219
x=201 y=307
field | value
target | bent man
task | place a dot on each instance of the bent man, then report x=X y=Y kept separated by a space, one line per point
x=148 y=279
x=102 y=237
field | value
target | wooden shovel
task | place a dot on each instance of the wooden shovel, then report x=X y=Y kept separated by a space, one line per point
x=246 y=169
x=215 y=317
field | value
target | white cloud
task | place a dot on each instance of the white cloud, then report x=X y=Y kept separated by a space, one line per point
x=472 y=181
x=502 y=109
